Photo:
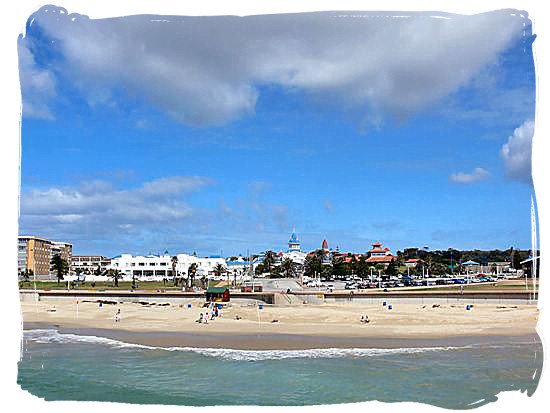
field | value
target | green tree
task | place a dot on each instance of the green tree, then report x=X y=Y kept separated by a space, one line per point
x=516 y=260
x=312 y=265
x=27 y=274
x=260 y=269
x=192 y=272
x=288 y=268
x=269 y=260
x=362 y=268
x=59 y=266
x=174 y=261
x=219 y=269
x=392 y=268
x=115 y=275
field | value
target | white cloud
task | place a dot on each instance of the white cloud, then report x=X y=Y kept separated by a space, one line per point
x=99 y=208
x=37 y=85
x=478 y=174
x=517 y=152
x=208 y=70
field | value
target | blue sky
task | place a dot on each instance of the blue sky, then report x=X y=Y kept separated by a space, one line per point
x=211 y=151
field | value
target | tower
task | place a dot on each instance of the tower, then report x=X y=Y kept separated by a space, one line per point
x=294 y=242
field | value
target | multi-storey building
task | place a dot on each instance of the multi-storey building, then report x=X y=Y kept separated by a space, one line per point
x=89 y=264
x=63 y=249
x=35 y=254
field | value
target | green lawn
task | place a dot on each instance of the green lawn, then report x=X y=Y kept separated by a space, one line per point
x=101 y=285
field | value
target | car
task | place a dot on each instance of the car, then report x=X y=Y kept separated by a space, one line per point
x=350 y=286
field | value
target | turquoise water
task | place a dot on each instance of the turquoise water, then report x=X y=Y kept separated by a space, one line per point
x=58 y=366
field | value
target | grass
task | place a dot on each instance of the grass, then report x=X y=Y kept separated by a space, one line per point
x=101 y=285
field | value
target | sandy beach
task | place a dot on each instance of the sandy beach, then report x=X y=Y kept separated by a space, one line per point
x=302 y=326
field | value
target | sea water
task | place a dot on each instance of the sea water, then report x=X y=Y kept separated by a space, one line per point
x=58 y=366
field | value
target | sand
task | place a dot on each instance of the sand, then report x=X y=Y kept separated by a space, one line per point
x=298 y=326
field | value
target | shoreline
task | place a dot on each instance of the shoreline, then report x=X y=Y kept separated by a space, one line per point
x=278 y=341
x=243 y=326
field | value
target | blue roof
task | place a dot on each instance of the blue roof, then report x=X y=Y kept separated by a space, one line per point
x=470 y=263
x=238 y=262
x=293 y=238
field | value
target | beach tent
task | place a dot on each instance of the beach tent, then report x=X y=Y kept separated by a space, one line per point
x=217 y=294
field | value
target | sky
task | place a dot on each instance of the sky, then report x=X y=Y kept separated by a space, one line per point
x=219 y=135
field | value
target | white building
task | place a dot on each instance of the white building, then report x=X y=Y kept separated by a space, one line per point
x=157 y=267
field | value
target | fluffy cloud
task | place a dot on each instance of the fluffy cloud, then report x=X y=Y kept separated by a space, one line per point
x=37 y=85
x=99 y=209
x=209 y=70
x=478 y=174
x=516 y=153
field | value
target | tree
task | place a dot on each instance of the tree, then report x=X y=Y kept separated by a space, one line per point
x=269 y=260
x=288 y=268
x=192 y=272
x=312 y=265
x=27 y=274
x=260 y=269
x=115 y=275
x=219 y=269
x=516 y=260
x=362 y=268
x=59 y=266
x=174 y=273
x=392 y=268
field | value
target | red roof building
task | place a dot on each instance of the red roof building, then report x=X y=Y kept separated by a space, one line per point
x=379 y=255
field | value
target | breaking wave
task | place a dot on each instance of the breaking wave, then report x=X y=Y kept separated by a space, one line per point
x=47 y=336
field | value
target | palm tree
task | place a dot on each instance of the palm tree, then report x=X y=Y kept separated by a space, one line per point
x=115 y=275
x=288 y=268
x=269 y=260
x=174 y=274
x=60 y=266
x=192 y=271
x=219 y=269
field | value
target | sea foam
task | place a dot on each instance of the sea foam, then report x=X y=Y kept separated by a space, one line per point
x=48 y=336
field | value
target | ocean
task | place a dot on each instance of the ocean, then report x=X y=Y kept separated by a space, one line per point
x=57 y=366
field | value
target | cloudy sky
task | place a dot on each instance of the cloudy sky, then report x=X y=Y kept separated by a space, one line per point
x=219 y=134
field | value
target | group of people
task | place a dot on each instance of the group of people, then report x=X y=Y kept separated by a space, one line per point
x=214 y=311
x=365 y=319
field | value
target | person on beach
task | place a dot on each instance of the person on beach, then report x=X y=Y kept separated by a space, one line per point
x=117 y=316
x=365 y=319
x=199 y=320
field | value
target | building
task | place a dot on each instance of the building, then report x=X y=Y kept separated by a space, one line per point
x=157 y=267
x=89 y=264
x=64 y=250
x=379 y=255
x=294 y=243
x=412 y=262
x=35 y=254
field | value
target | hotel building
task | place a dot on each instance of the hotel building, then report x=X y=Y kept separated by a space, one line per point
x=35 y=253
x=89 y=264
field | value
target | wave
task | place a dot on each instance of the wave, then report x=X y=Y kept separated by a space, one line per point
x=47 y=336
